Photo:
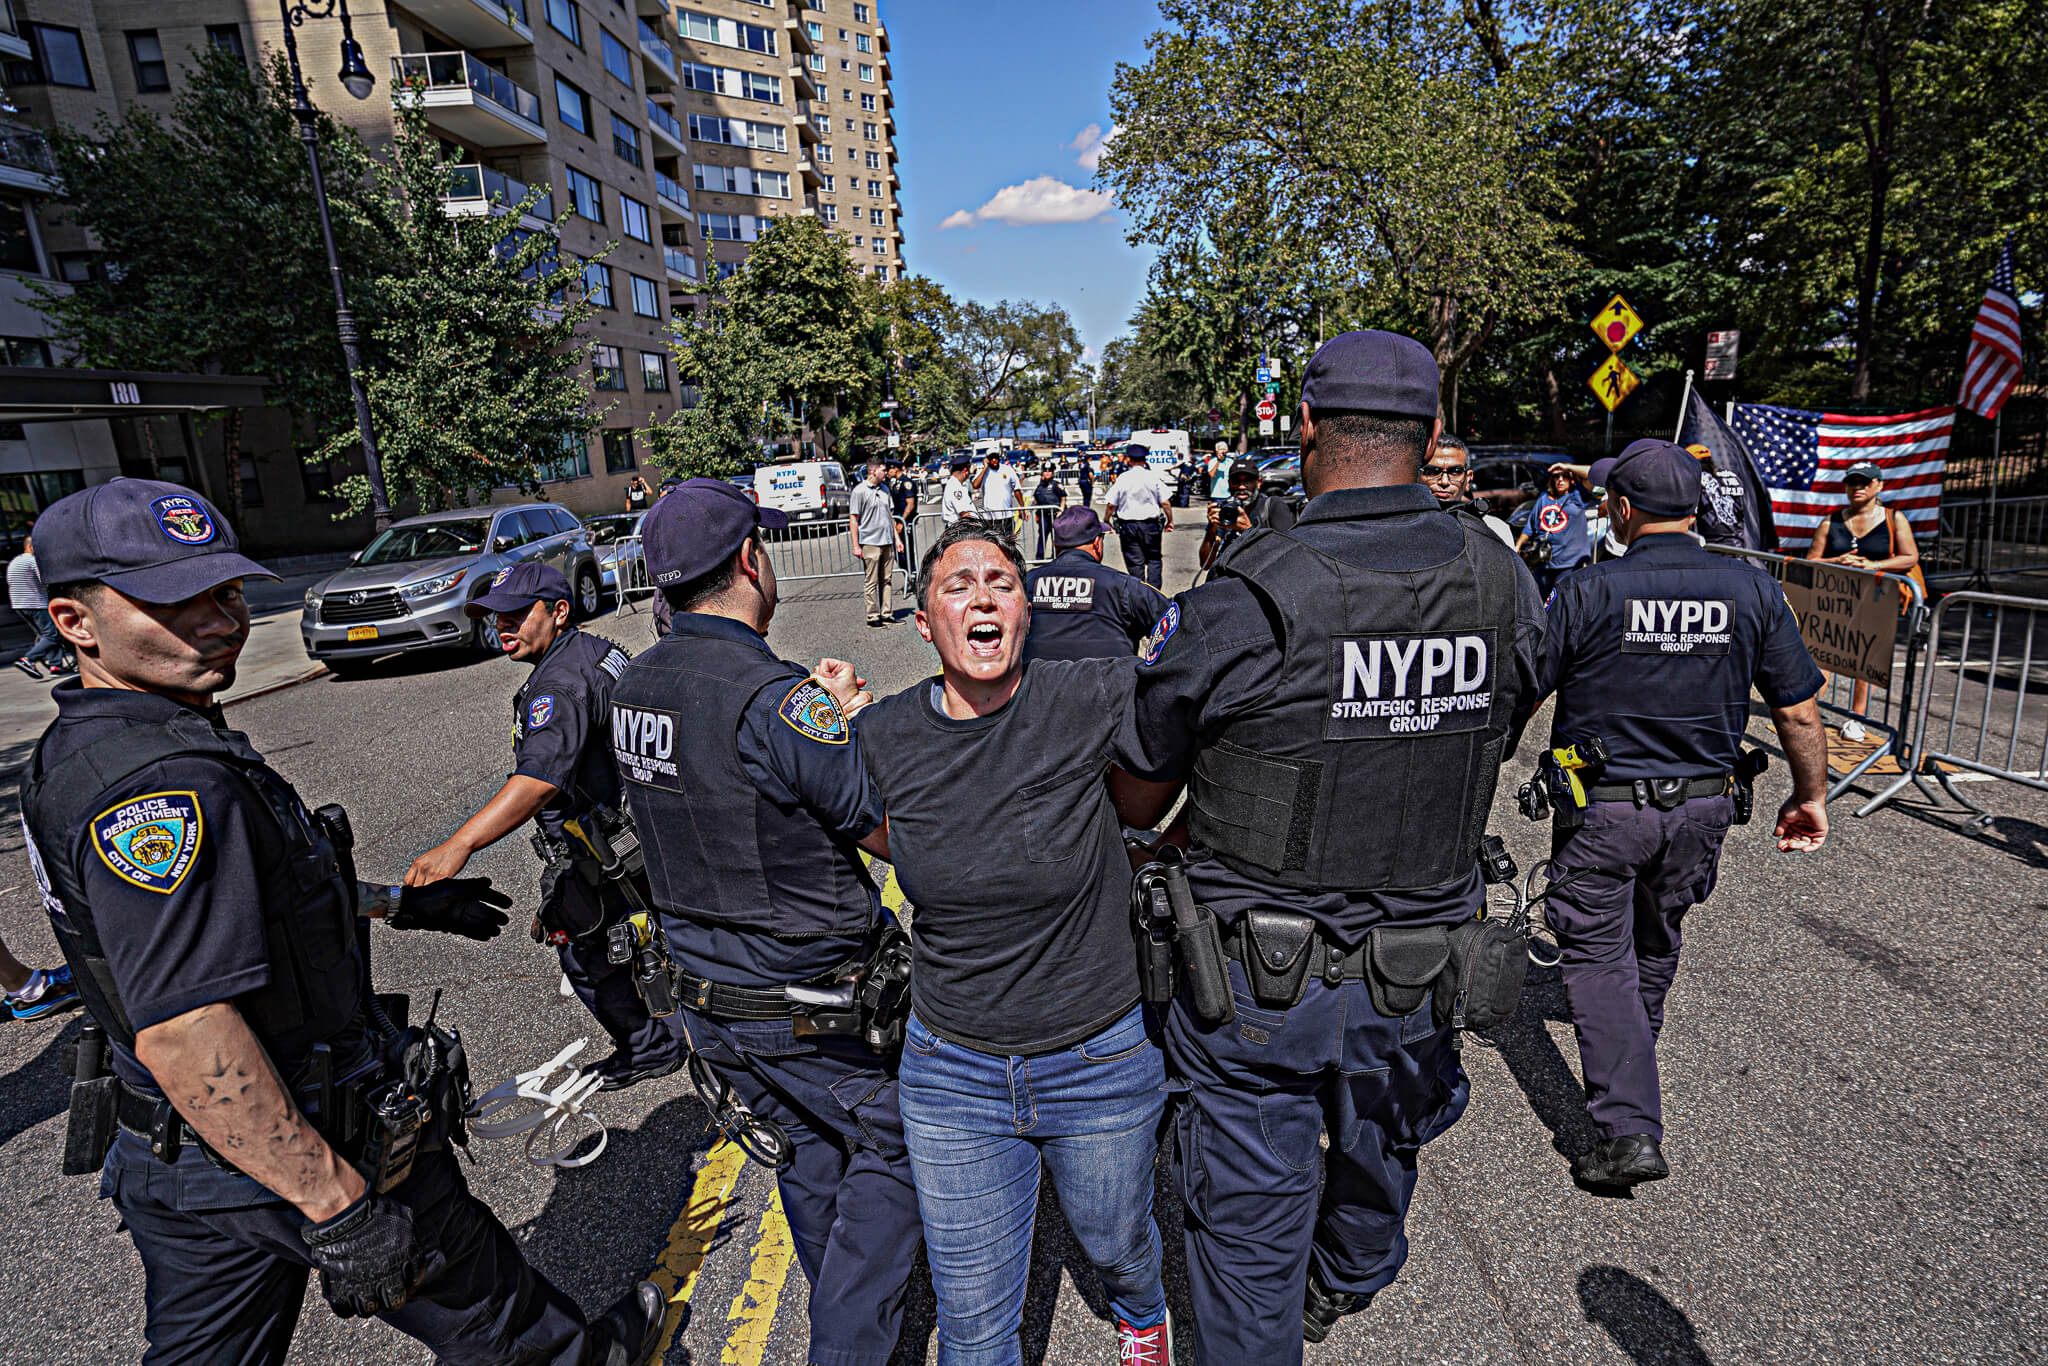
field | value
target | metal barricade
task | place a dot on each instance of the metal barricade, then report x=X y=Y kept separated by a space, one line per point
x=1888 y=708
x=1984 y=539
x=1992 y=644
x=825 y=550
x=629 y=570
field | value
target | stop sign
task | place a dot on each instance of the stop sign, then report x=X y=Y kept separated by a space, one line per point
x=1268 y=409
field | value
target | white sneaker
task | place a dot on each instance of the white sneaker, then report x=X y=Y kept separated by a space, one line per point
x=1853 y=732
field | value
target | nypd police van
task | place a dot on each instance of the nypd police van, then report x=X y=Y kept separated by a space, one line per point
x=810 y=491
x=1164 y=447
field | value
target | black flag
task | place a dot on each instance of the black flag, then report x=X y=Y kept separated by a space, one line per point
x=1727 y=517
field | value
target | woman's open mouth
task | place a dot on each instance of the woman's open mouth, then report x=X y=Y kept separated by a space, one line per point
x=985 y=640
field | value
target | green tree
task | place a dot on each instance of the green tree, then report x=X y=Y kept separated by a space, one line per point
x=212 y=242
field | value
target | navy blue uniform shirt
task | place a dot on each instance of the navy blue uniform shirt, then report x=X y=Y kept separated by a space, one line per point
x=831 y=782
x=1655 y=653
x=1082 y=608
x=561 y=726
x=1214 y=656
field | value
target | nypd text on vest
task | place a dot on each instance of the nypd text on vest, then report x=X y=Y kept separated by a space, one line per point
x=1677 y=626
x=1411 y=684
x=1063 y=593
x=644 y=746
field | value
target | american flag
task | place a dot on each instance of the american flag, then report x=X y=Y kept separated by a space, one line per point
x=1994 y=360
x=1801 y=456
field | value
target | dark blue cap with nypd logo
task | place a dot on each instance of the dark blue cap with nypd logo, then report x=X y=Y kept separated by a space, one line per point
x=153 y=541
x=1371 y=372
x=697 y=526
x=518 y=587
x=1655 y=476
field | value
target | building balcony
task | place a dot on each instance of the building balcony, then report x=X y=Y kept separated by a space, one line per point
x=809 y=172
x=656 y=49
x=882 y=38
x=673 y=197
x=799 y=37
x=666 y=125
x=800 y=85
x=479 y=106
x=477 y=23
x=682 y=267
x=476 y=189
x=26 y=162
x=895 y=180
x=12 y=43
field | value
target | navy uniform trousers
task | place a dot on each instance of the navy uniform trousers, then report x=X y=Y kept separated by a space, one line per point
x=224 y=1275
x=851 y=1208
x=1617 y=926
x=1141 y=542
x=606 y=988
x=1262 y=1090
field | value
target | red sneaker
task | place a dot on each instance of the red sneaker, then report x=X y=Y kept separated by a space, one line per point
x=1145 y=1346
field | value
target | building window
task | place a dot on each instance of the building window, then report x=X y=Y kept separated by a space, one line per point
x=146 y=55
x=625 y=141
x=572 y=106
x=252 y=487
x=33 y=351
x=606 y=369
x=226 y=37
x=618 y=450
x=830 y=212
x=831 y=183
x=633 y=217
x=646 y=296
x=572 y=463
x=842 y=35
x=869 y=131
x=874 y=189
x=565 y=20
x=317 y=478
x=79 y=267
x=816 y=30
x=878 y=248
x=851 y=126
x=586 y=196
x=755 y=38
x=815 y=62
x=867 y=73
x=824 y=154
x=728 y=227
x=845 y=64
x=875 y=217
x=653 y=373
x=766 y=137
x=618 y=59
x=874 y=161
x=822 y=125
x=597 y=284
x=17 y=239
x=59 y=59
x=847 y=96
x=859 y=241
x=863 y=42
x=867 y=104
x=860 y=14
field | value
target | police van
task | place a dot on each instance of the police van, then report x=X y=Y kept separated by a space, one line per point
x=811 y=491
x=1164 y=447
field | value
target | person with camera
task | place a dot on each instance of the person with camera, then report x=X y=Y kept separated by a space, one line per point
x=263 y=1117
x=1247 y=508
x=1554 y=539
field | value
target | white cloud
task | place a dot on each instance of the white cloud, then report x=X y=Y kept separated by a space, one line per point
x=1038 y=200
x=1089 y=142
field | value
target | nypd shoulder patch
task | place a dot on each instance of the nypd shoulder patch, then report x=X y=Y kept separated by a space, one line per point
x=1154 y=645
x=811 y=711
x=540 y=711
x=150 y=841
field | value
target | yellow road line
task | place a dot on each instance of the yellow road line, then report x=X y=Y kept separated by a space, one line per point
x=753 y=1309
x=892 y=892
x=693 y=1232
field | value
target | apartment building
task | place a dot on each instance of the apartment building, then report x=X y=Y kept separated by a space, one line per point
x=573 y=94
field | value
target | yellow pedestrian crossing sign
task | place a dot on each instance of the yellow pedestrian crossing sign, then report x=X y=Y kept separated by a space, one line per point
x=1616 y=324
x=1613 y=382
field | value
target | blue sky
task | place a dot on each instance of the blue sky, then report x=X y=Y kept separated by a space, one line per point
x=991 y=96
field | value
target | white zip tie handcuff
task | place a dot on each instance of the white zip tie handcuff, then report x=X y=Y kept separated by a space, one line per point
x=546 y=1105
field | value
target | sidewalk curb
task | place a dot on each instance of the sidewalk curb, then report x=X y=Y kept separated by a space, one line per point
x=317 y=671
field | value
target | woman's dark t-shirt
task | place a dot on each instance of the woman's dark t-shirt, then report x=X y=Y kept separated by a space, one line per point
x=1006 y=844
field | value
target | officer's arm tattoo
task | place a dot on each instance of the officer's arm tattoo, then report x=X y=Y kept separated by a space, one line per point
x=217 y=1076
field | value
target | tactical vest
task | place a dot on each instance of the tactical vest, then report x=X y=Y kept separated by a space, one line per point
x=717 y=849
x=308 y=892
x=1372 y=765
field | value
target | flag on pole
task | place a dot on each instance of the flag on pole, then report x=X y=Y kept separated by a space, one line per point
x=1757 y=528
x=1802 y=455
x=1994 y=360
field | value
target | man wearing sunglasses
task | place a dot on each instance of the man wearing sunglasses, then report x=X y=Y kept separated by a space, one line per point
x=1448 y=475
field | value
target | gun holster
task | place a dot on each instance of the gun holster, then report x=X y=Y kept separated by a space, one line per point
x=90 y=1127
x=869 y=998
x=1742 y=785
x=1565 y=811
x=1278 y=949
x=1489 y=958
x=1403 y=964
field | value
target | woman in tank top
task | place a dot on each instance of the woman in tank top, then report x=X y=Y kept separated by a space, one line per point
x=1864 y=535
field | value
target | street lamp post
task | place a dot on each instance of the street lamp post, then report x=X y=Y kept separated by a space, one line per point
x=357 y=80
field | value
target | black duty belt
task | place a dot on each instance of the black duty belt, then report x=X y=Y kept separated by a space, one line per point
x=1640 y=790
x=152 y=1119
x=1331 y=962
x=722 y=1002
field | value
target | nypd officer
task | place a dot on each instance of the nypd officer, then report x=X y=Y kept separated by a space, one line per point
x=1341 y=697
x=1654 y=654
x=563 y=779
x=749 y=786
x=212 y=925
x=1080 y=607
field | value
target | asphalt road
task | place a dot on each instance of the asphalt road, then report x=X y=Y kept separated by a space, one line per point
x=1853 y=1079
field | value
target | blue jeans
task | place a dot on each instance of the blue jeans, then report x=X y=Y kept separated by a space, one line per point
x=49 y=646
x=978 y=1125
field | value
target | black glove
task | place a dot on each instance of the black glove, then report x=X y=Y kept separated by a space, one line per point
x=370 y=1259
x=466 y=906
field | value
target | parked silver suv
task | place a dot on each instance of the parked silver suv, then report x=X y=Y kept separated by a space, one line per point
x=407 y=589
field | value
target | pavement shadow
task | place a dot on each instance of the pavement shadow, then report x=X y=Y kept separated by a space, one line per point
x=2022 y=840
x=1651 y=1329
x=1539 y=1068
x=39 y=1088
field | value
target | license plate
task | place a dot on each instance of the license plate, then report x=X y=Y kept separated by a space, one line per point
x=362 y=633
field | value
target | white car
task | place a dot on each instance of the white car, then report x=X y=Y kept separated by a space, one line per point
x=810 y=491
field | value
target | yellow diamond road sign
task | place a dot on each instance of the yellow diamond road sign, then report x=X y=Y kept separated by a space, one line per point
x=1613 y=382
x=1616 y=324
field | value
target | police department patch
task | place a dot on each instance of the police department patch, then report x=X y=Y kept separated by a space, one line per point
x=183 y=519
x=150 y=841
x=1154 y=645
x=811 y=710
x=540 y=711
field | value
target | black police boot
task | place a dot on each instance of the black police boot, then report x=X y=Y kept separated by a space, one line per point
x=1621 y=1162
x=630 y=1330
x=1324 y=1306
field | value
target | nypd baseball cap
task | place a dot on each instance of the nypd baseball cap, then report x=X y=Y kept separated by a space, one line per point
x=697 y=526
x=1656 y=477
x=1371 y=372
x=518 y=587
x=1076 y=526
x=961 y=462
x=155 y=542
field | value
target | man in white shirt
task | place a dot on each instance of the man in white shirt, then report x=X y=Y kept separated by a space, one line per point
x=999 y=486
x=957 y=499
x=1142 y=510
